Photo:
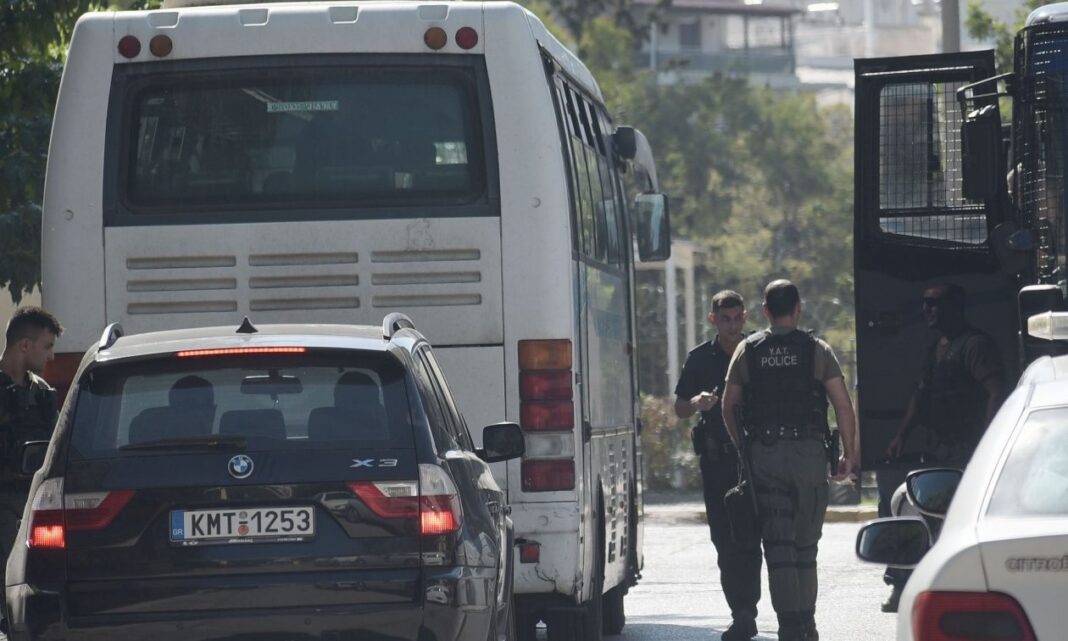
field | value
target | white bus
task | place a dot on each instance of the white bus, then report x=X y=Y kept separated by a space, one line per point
x=337 y=161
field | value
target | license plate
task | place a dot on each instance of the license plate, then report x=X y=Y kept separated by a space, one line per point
x=246 y=525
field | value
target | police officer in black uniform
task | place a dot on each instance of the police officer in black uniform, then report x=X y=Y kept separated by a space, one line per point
x=961 y=388
x=782 y=378
x=27 y=408
x=698 y=390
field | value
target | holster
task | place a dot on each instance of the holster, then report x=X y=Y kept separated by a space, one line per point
x=742 y=515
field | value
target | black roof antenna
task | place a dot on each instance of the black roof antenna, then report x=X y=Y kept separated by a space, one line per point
x=247 y=327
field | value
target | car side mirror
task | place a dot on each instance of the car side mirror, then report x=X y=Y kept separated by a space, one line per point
x=654 y=227
x=501 y=442
x=898 y=542
x=33 y=453
x=932 y=490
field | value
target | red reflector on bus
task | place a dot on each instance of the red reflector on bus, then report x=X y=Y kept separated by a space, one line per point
x=529 y=552
x=538 y=416
x=545 y=354
x=545 y=385
x=232 y=351
x=467 y=38
x=60 y=373
x=129 y=47
x=548 y=476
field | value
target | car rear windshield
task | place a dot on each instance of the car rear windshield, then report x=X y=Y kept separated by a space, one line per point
x=302 y=135
x=253 y=402
x=1034 y=481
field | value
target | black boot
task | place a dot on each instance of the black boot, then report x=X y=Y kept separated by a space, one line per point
x=890 y=605
x=743 y=629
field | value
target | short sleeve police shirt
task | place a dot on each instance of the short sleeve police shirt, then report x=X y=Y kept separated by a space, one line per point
x=705 y=371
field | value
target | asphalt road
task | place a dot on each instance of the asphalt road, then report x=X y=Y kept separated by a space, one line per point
x=679 y=597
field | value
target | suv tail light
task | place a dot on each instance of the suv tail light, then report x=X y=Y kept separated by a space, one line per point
x=53 y=513
x=439 y=503
x=547 y=415
x=433 y=499
x=969 y=616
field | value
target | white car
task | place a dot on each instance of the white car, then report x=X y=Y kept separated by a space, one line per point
x=999 y=569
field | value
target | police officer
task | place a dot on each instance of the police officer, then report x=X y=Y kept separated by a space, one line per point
x=961 y=388
x=698 y=390
x=782 y=378
x=27 y=407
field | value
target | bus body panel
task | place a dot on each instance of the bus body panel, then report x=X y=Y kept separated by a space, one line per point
x=72 y=243
x=444 y=273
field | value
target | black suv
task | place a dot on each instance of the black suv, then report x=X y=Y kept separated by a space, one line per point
x=285 y=483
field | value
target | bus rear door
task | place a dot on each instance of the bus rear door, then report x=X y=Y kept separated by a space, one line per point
x=914 y=228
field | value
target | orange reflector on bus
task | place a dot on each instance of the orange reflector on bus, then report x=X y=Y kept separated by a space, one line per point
x=435 y=38
x=545 y=354
x=160 y=46
x=233 y=351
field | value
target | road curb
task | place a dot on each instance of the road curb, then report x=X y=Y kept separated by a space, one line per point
x=677 y=514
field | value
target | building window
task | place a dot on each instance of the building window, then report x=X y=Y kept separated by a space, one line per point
x=690 y=35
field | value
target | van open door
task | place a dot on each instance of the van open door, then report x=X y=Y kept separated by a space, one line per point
x=913 y=228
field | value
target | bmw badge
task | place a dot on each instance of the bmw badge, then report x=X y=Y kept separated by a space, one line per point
x=240 y=467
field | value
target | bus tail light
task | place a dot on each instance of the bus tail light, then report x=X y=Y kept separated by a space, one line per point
x=547 y=415
x=60 y=371
x=545 y=385
x=538 y=416
x=160 y=46
x=435 y=38
x=550 y=475
x=969 y=616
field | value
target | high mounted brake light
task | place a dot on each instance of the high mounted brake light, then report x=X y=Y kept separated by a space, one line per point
x=232 y=351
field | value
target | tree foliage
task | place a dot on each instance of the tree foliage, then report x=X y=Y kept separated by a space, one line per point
x=981 y=25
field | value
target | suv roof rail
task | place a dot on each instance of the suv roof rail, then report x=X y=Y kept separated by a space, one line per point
x=395 y=322
x=112 y=333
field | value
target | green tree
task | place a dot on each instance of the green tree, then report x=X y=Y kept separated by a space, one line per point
x=34 y=35
x=984 y=26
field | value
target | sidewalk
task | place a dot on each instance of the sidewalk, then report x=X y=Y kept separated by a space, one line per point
x=689 y=508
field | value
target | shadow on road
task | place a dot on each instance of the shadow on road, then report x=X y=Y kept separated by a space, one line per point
x=637 y=630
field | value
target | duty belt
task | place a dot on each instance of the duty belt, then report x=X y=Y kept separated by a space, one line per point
x=785 y=432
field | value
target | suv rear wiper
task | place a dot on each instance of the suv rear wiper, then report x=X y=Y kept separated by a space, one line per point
x=214 y=442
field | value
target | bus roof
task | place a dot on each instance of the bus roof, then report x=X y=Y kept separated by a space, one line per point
x=240 y=27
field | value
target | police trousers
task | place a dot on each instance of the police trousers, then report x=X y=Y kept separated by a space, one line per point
x=739 y=565
x=791 y=489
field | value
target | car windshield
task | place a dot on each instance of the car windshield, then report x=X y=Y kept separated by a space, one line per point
x=1034 y=481
x=261 y=401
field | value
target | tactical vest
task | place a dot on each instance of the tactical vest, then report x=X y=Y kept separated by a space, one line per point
x=26 y=414
x=956 y=402
x=782 y=388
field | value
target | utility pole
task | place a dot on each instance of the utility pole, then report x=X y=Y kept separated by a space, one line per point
x=950 y=26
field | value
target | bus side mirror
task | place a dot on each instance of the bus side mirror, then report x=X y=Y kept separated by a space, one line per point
x=980 y=135
x=654 y=227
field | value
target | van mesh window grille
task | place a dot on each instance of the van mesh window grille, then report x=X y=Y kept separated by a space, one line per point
x=920 y=180
x=1041 y=142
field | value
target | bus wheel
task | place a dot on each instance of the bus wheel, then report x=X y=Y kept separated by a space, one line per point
x=614 y=618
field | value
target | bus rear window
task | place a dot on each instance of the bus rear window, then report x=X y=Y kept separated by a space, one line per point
x=266 y=402
x=329 y=136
